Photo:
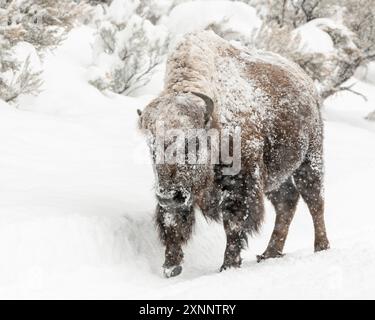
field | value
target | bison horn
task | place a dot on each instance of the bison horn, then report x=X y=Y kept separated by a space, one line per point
x=209 y=104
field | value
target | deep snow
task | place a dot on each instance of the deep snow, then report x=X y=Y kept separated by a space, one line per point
x=76 y=203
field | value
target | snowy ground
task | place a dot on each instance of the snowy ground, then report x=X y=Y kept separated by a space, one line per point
x=76 y=204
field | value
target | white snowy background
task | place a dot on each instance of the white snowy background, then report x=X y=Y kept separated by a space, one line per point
x=77 y=203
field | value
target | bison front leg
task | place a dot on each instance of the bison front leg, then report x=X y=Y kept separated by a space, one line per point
x=175 y=228
x=236 y=241
x=243 y=211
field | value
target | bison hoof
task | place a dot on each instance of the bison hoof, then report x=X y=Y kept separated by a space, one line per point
x=266 y=256
x=173 y=271
x=322 y=246
x=226 y=266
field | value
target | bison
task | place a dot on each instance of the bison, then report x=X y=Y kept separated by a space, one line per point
x=214 y=84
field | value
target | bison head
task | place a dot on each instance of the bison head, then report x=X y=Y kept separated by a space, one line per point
x=171 y=123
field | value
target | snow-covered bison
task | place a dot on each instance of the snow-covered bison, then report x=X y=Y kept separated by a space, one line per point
x=213 y=84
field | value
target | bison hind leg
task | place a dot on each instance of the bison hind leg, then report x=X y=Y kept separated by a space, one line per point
x=284 y=200
x=309 y=181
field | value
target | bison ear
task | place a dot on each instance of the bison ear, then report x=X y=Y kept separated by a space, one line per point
x=209 y=105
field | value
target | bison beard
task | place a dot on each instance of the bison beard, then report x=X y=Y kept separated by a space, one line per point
x=212 y=84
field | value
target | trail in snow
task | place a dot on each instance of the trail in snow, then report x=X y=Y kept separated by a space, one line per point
x=76 y=204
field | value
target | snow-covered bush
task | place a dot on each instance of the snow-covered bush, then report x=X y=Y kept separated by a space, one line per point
x=359 y=16
x=128 y=48
x=39 y=22
x=15 y=78
x=323 y=48
x=331 y=67
x=96 y=2
x=42 y=24
x=297 y=12
x=155 y=10
x=272 y=37
x=329 y=39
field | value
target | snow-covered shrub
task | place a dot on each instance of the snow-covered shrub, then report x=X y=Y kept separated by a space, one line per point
x=333 y=66
x=294 y=13
x=127 y=50
x=154 y=10
x=272 y=37
x=359 y=16
x=40 y=23
x=329 y=39
x=323 y=48
x=16 y=77
x=96 y=2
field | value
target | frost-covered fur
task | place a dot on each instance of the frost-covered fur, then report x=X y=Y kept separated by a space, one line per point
x=277 y=107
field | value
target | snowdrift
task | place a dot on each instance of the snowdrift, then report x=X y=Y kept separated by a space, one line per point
x=198 y=15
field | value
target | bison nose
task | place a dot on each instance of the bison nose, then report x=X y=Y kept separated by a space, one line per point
x=179 y=197
x=176 y=198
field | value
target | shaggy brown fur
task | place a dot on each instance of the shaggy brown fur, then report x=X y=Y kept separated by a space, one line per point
x=276 y=105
